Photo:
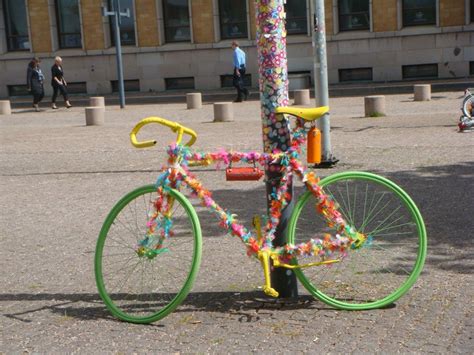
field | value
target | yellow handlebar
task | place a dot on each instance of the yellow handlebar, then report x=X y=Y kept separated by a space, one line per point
x=175 y=127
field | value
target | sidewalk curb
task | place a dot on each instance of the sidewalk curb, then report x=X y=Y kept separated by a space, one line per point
x=338 y=90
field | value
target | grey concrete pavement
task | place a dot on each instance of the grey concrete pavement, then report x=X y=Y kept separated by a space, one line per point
x=60 y=178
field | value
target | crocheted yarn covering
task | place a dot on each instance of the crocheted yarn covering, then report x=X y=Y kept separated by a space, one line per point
x=175 y=175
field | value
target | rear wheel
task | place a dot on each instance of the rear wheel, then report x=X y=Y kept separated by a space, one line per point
x=391 y=259
x=468 y=106
x=142 y=279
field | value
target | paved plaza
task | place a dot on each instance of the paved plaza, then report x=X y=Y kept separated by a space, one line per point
x=59 y=178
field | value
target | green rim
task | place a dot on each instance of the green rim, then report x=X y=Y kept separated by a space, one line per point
x=194 y=266
x=416 y=218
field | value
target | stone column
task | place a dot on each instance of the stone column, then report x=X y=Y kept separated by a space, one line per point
x=301 y=97
x=5 y=107
x=194 y=100
x=95 y=116
x=422 y=92
x=223 y=112
x=97 y=101
x=374 y=106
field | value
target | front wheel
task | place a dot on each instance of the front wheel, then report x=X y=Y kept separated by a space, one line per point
x=142 y=277
x=391 y=259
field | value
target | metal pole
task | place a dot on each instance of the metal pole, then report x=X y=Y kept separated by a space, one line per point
x=321 y=79
x=271 y=47
x=118 y=52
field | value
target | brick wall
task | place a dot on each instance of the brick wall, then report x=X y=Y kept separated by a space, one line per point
x=147 y=27
x=203 y=23
x=252 y=20
x=92 y=26
x=384 y=14
x=40 y=25
x=328 y=17
x=452 y=12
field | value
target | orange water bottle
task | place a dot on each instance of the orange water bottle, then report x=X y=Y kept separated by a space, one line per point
x=313 y=154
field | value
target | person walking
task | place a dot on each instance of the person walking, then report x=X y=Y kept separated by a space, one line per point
x=34 y=80
x=58 y=83
x=239 y=72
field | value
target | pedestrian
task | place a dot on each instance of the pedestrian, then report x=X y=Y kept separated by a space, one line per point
x=58 y=83
x=34 y=80
x=239 y=72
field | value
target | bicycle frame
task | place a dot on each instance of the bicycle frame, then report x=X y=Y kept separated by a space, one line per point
x=177 y=174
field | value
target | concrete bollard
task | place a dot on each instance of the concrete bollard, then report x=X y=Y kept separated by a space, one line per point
x=223 y=112
x=5 y=107
x=301 y=97
x=374 y=106
x=194 y=100
x=422 y=92
x=95 y=116
x=97 y=101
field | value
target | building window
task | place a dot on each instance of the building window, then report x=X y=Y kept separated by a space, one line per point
x=176 y=18
x=179 y=83
x=355 y=74
x=128 y=85
x=79 y=87
x=420 y=71
x=471 y=68
x=354 y=15
x=233 y=18
x=419 y=12
x=69 y=23
x=227 y=81
x=18 y=90
x=16 y=25
x=127 y=24
x=296 y=17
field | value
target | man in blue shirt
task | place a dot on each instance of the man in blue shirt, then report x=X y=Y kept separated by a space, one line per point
x=239 y=72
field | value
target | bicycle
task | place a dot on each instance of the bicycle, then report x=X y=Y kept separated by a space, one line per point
x=364 y=231
x=466 y=121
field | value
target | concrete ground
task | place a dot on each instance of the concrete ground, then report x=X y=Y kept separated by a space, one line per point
x=60 y=178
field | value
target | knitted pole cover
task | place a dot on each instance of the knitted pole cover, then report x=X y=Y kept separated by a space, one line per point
x=271 y=47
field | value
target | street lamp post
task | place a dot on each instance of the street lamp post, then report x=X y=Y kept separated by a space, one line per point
x=273 y=77
x=321 y=81
x=116 y=14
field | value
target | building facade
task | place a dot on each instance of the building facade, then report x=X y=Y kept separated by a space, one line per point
x=185 y=44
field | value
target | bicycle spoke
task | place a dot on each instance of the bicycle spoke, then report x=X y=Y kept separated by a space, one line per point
x=384 y=267
x=145 y=287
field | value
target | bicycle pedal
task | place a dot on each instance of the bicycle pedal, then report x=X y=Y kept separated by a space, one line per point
x=270 y=291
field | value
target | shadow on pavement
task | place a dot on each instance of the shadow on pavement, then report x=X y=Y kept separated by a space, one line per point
x=89 y=306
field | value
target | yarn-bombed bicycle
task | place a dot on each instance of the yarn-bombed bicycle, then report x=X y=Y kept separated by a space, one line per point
x=365 y=232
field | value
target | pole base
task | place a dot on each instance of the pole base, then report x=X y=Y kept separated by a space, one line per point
x=285 y=282
x=326 y=164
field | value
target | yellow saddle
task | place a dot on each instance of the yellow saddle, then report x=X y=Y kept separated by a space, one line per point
x=308 y=114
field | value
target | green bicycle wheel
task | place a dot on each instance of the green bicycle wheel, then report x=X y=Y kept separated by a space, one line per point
x=141 y=288
x=390 y=261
